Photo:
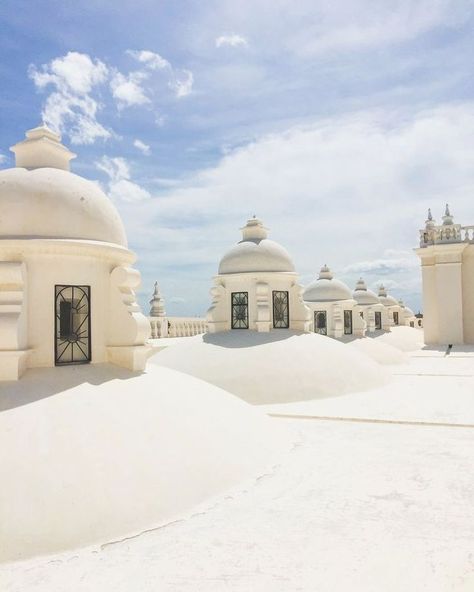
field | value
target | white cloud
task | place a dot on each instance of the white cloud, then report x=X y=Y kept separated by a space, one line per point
x=351 y=191
x=177 y=299
x=76 y=79
x=233 y=40
x=128 y=90
x=2 y=158
x=120 y=187
x=70 y=106
x=144 y=148
x=151 y=59
x=182 y=83
x=391 y=262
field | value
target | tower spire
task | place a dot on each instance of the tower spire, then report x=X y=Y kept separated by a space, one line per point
x=157 y=302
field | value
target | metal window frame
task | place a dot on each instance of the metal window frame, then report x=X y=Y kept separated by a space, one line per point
x=348 y=328
x=378 y=323
x=321 y=312
x=287 y=299
x=58 y=288
x=233 y=306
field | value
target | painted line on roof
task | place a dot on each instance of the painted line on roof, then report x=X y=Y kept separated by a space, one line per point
x=374 y=420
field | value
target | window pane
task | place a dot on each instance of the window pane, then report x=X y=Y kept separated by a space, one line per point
x=240 y=310
x=281 y=317
x=348 y=322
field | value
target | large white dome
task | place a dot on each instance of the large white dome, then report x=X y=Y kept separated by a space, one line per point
x=256 y=253
x=326 y=289
x=40 y=198
x=52 y=203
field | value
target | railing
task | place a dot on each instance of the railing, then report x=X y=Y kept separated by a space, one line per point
x=452 y=233
x=177 y=326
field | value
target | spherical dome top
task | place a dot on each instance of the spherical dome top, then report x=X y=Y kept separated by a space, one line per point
x=52 y=203
x=385 y=298
x=256 y=252
x=364 y=296
x=41 y=198
x=326 y=289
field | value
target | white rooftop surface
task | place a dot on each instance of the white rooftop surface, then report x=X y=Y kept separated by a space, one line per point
x=95 y=453
x=275 y=367
x=376 y=497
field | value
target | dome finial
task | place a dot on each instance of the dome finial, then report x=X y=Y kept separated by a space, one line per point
x=254 y=230
x=430 y=215
x=325 y=273
x=447 y=218
x=42 y=148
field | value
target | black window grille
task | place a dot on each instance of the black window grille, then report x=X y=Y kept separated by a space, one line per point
x=395 y=318
x=72 y=343
x=320 y=322
x=378 y=319
x=348 y=322
x=240 y=310
x=281 y=312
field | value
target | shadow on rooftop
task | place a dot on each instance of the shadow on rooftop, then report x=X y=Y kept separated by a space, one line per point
x=245 y=338
x=40 y=383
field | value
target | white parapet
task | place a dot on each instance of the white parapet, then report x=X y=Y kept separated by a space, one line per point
x=177 y=326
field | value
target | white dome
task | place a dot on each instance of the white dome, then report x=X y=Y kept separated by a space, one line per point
x=41 y=198
x=53 y=203
x=364 y=296
x=326 y=289
x=256 y=253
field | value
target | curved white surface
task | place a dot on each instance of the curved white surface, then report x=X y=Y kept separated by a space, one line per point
x=365 y=297
x=92 y=454
x=325 y=290
x=258 y=255
x=276 y=367
x=53 y=203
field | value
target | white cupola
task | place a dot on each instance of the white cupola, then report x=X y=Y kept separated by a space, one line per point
x=257 y=286
x=66 y=285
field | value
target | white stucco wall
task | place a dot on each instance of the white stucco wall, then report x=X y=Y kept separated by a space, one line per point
x=259 y=286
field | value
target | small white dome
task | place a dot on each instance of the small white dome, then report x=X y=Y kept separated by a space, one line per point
x=364 y=296
x=326 y=289
x=41 y=198
x=385 y=298
x=256 y=252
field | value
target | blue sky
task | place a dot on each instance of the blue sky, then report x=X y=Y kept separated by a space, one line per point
x=337 y=123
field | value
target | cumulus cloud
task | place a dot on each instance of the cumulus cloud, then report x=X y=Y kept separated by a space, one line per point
x=144 y=148
x=128 y=89
x=71 y=104
x=391 y=262
x=76 y=81
x=120 y=187
x=351 y=191
x=150 y=59
x=232 y=40
x=182 y=83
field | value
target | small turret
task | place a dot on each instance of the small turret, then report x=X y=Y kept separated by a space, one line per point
x=157 y=303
